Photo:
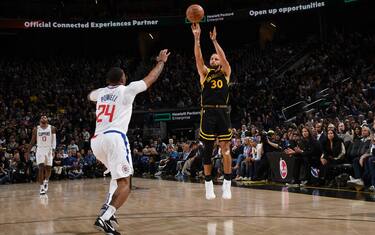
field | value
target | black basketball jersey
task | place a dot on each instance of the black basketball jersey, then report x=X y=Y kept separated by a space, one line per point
x=215 y=89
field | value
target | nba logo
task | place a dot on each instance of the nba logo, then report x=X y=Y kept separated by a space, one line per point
x=283 y=169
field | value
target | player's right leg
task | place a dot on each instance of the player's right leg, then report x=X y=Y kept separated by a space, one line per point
x=41 y=171
x=206 y=134
x=40 y=160
x=207 y=167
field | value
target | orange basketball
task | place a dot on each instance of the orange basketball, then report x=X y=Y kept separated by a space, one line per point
x=194 y=13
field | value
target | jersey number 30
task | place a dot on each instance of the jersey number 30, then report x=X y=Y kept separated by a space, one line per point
x=216 y=84
x=106 y=110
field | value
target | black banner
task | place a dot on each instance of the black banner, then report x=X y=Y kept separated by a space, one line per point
x=281 y=167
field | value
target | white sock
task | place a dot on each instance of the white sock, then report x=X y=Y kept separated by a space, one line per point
x=41 y=186
x=108 y=213
x=112 y=189
x=227 y=183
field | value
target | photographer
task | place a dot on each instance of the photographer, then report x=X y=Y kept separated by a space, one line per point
x=269 y=144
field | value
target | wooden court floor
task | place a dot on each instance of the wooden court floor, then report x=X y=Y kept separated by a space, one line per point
x=169 y=207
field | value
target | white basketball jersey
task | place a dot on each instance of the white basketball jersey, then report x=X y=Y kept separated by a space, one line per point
x=44 y=137
x=114 y=106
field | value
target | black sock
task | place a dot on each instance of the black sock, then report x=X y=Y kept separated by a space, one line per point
x=228 y=176
x=207 y=178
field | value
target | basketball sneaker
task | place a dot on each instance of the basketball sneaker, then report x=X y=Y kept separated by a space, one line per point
x=114 y=222
x=105 y=226
x=45 y=185
x=210 y=194
x=42 y=191
x=227 y=194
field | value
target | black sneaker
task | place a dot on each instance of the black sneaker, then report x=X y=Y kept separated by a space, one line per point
x=106 y=227
x=114 y=222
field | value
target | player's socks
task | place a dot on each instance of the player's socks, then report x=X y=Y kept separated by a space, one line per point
x=111 y=210
x=227 y=194
x=210 y=194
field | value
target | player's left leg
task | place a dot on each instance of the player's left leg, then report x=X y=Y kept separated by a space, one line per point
x=227 y=162
x=112 y=189
x=47 y=174
x=119 y=197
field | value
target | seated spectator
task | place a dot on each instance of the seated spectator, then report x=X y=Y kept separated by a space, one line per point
x=58 y=165
x=248 y=166
x=168 y=165
x=186 y=169
x=76 y=172
x=89 y=162
x=354 y=146
x=344 y=135
x=243 y=170
x=371 y=166
x=185 y=154
x=4 y=176
x=361 y=159
x=333 y=154
x=307 y=155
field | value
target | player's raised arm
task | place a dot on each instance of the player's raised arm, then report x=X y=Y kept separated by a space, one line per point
x=156 y=71
x=202 y=69
x=220 y=53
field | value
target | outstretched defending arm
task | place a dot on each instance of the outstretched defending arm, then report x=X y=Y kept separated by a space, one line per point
x=156 y=71
x=202 y=69
x=221 y=54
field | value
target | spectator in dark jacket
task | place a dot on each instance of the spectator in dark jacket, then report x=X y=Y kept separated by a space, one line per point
x=333 y=154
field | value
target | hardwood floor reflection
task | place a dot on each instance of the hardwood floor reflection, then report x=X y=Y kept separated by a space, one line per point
x=169 y=207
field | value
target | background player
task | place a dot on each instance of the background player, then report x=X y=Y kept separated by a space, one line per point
x=45 y=137
x=110 y=144
x=215 y=120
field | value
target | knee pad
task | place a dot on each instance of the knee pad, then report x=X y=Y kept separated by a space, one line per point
x=207 y=152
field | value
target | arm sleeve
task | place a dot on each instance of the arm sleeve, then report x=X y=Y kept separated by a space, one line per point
x=137 y=87
x=54 y=141
x=93 y=96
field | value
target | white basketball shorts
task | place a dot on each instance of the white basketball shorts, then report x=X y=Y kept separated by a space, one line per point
x=112 y=148
x=44 y=155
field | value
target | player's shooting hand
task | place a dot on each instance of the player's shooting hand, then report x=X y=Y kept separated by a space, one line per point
x=163 y=56
x=213 y=34
x=196 y=29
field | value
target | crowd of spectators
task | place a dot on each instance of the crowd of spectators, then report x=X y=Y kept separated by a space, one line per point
x=59 y=86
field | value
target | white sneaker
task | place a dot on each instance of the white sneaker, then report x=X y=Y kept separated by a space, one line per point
x=359 y=182
x=245 y=179
x=159 y=173
x=210 y=194
x=371 y=188
x=45 y=185
x=42 y=191
x=227 y=194
x=221 y=177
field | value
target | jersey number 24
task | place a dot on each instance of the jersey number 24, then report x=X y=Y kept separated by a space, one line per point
x=106 y=110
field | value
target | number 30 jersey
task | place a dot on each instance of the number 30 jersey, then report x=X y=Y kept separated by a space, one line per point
x=215 y=89
x=114 y=106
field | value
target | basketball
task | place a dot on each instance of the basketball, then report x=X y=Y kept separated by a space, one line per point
x=194 y=13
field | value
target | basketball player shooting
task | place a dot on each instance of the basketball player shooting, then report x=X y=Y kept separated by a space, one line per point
x=215 y=119
x=44 y=135
x=110 y=144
